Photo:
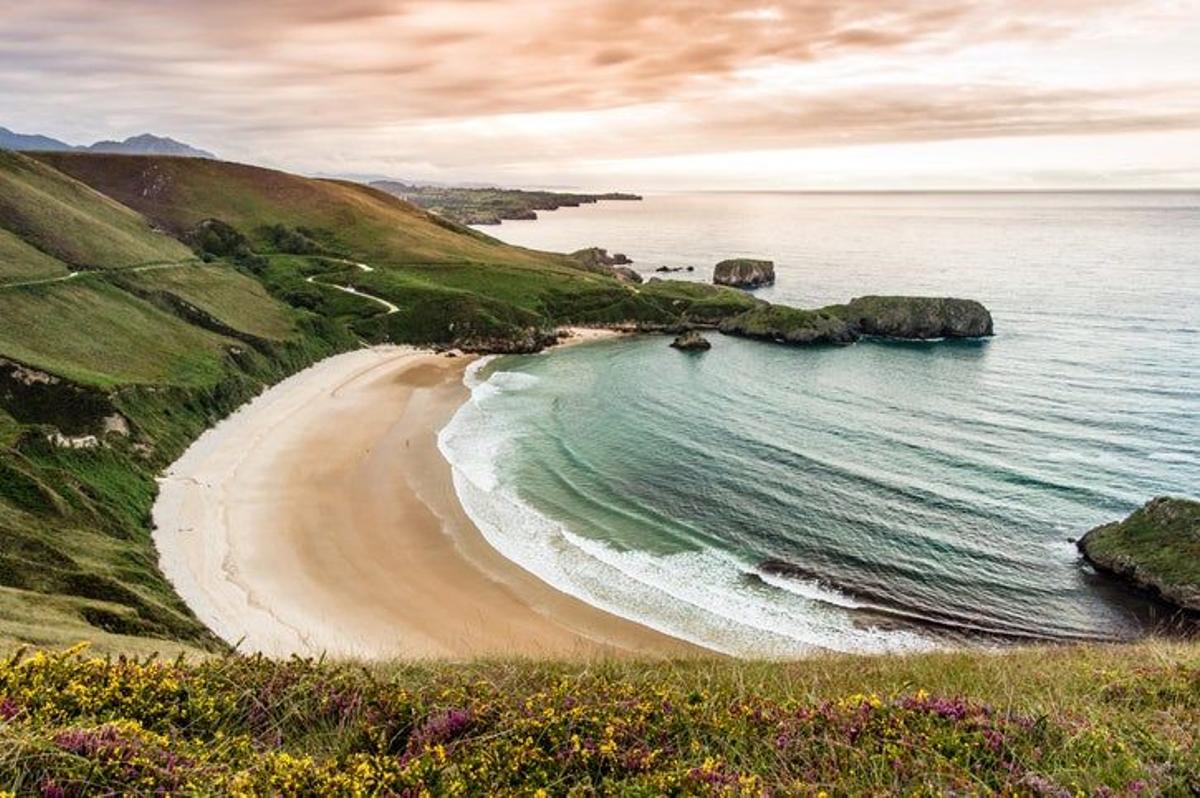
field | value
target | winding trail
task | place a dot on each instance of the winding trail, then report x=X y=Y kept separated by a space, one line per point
x=64 y=278
x=349 y=289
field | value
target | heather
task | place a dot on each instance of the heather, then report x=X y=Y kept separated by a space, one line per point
x=1089 y=720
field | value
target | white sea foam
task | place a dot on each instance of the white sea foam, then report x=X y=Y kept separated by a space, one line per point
x=701 y=596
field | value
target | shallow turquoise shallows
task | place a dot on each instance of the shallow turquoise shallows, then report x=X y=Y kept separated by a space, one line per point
x=764 y=500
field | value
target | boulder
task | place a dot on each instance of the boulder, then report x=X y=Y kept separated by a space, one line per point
x=744 y=273
x=691 y=340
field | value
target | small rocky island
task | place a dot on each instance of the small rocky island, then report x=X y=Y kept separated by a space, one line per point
x=744 y=273
x=1157 y=549
x=691 y=340
x=903 y=317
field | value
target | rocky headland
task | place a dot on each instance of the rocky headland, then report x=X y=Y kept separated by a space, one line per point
x=1157 y=549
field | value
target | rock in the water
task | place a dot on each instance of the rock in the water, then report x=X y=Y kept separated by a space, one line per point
x=918 y=317
x=744 y=273
x=691 y=340
x=1157 y=548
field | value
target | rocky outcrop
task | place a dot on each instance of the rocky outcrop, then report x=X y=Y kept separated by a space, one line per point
x=626 y=274
x=744 y=273
x=918 y=317
x=907 y=318
x=1157 y=549
x=790 y=326
x=691 y=341
x=617 y=264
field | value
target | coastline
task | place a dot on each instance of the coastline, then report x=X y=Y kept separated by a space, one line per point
x=322 y=519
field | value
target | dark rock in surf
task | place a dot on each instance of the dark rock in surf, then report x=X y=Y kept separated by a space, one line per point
x=691 y=341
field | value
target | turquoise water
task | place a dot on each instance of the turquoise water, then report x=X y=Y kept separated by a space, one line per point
x=920 y=494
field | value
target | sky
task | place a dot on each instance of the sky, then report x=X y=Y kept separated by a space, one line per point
x=620 y=94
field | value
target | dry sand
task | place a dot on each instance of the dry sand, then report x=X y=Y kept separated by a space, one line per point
x=321 y=518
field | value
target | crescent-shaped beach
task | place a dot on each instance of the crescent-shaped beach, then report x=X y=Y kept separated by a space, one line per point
x=320 y=519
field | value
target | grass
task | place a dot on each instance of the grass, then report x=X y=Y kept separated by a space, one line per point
x=73 y=223
x=226 y=294
x=20 y=262
x=90 y=331
x=1068 y=721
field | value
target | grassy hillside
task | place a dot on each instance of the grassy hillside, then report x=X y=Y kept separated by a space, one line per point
x=20 y=262
x=454 y=286
x=104 y=378
x=69 y=221
x=1043 y=722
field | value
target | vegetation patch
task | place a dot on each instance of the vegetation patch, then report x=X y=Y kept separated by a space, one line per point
x=1117 y=722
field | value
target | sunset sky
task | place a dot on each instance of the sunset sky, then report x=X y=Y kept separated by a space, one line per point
x=623 y=94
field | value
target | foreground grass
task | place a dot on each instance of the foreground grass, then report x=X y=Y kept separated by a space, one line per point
x=1088 y=720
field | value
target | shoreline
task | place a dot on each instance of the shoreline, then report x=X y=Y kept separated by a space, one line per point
x=359 y=546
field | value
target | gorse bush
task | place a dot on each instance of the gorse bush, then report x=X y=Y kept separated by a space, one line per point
x=73 y=726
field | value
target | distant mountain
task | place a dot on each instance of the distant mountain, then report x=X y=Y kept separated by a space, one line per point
x=145 y=144
x=21 y=141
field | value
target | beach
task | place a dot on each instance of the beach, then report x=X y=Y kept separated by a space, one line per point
x=321 y=519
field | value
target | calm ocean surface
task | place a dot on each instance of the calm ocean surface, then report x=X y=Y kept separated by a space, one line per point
x=922 y=494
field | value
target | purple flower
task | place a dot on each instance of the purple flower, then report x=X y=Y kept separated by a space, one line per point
x=441 y=728
x=9 y=709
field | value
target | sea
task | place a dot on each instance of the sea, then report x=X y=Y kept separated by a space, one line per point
x=770 y=501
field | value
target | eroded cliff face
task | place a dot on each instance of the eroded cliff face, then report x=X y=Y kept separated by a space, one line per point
x=1157 y=548
x=744 y=273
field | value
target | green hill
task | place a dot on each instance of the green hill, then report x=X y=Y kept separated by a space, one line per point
x=74 y=224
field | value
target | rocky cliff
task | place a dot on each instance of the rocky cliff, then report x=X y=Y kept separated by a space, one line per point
x=1157 y=548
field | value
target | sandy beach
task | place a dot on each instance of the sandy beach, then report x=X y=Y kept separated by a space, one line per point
x=321 y=519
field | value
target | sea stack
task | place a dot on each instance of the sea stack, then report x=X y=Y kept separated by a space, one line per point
x=691 y=341
x=744 y=273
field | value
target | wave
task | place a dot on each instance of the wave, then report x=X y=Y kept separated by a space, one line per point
x=700 y=595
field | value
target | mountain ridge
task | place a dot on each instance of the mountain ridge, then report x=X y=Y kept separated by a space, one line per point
x=141 y=144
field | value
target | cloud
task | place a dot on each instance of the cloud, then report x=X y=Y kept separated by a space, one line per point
x=673 y=76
